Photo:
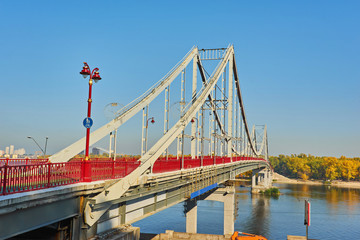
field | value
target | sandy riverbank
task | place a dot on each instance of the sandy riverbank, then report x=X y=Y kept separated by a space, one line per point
x=337 y=183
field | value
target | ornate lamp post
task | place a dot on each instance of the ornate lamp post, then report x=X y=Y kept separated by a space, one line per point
x=94 y=75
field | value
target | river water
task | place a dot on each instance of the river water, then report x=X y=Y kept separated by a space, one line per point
x=335 y=213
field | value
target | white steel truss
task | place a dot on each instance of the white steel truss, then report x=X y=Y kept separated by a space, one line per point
x=226 y=123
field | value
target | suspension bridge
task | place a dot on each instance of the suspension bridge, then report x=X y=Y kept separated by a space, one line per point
x=205 y=142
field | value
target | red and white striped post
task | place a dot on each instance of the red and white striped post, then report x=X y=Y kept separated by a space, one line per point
x=307 y=217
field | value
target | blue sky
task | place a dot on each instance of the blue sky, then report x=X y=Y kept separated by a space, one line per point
x=298 y=62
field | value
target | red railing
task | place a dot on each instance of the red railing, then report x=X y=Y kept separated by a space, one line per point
x=23 y=178
x=172 y=164
x=21 y=161
x=101 y=170
x=39 y=174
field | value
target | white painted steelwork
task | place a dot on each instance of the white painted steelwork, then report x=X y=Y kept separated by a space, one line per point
x=147 y=160
x=127 y=112
x=221 y=126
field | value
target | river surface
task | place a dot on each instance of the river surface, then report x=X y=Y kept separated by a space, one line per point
x=335 y=214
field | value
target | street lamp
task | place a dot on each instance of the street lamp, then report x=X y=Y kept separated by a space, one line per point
x=94 y=75
x=152 y=120
x=46 y=139
x=197 y=133
x=197 y=121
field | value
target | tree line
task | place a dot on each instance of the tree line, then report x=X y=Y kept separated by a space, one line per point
x=319 y=168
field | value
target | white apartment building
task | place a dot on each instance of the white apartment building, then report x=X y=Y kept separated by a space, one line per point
x=11 y=149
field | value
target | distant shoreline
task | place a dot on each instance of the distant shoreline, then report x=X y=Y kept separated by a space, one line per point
x=336 y=183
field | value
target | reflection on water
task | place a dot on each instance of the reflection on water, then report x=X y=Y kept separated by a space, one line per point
x=335 y=213
x=258 y=221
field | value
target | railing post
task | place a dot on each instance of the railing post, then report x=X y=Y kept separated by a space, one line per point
x=5 y=178
x=113 y=169
x=49 y=174
x=82 y=170
x=126 y=167
x=87 y=170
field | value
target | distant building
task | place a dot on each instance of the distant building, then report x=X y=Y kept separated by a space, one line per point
x=20 y=151
x=95 y=151
x=11 y=149
x=2 y=152
x=7 y=150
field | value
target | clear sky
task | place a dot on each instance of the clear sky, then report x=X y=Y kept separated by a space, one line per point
x=298 y=61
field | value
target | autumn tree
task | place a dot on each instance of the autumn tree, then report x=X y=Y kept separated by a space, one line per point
x=349 y=169
x=331 y=171
x=308 y=166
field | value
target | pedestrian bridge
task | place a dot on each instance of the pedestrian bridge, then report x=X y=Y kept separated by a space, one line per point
x=207 y=143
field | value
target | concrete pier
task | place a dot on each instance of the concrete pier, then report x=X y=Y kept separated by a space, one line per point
x=171 y=235
x=191 y=216
x=225 y=195
x=261 y=180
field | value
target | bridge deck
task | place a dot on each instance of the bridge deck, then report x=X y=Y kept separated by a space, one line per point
x=15 y=178
x=151 y=193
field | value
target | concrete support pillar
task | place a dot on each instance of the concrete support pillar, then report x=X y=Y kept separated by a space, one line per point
x=191 y=216
x=227 y=196
x=266 y=180
x=268 y=177
x=260 y=180
x=263 y=180
x=229 y=210
x=253 y=179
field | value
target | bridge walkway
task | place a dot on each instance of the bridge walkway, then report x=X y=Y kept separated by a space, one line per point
x=152 y=193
